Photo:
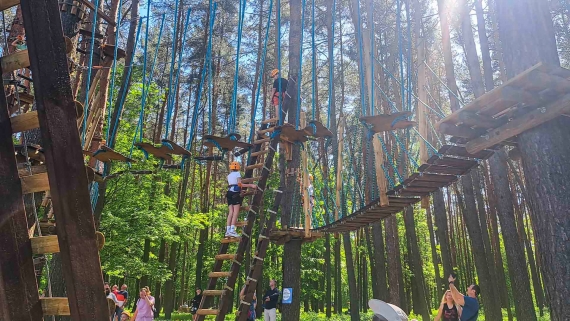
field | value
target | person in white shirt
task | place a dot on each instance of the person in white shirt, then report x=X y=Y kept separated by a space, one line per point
x=311 y=191
x=234 y=198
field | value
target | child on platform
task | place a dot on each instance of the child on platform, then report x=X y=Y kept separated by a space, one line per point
x=234 y=198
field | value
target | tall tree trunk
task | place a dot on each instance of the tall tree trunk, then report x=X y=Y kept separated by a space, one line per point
x=447 y=54
x=379 y=262
x=353 y=293
x=439 y=283
x=393 y=250
x=443 y=239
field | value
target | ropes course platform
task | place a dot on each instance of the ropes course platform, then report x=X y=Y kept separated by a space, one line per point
x=386 y=122
x=229 y=142
x=534 y=97
x=283 y=236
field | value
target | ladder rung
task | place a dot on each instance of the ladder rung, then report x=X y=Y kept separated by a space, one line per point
x=219 y=274
x=261 y=152
x=25 y=122
x=261 y=141
x=248 y=193
x=15 y=61
x=227 y=240
x=270 y=120
x=35 y=183
x=8 y=4
x=241 y=224
x=50 y=244
x=207 y=312
x=267 y=130
x=55 y=306
x=213 y=292
x=250 y=180
x=254 y=166
x=244 y=208
x=222 y=257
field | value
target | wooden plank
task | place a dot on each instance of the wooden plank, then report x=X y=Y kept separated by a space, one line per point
x=338 y=184
x=19 y=299
x=460 y=131
x=207 y=312
x=306 y=183
x=35 y=183
x=55 y=306
x=71 y=200
x=521 y=124
x=482 y=121
x=223 y=257
x=462 y=152
x=422 y=95
x=5 y=4
x=219 y=274
x=228 y=240
x=25 y=122
x=50 y=244
x=380 y=177
x=454 y=162
x=437 y=169
x=34 y=170
x=213 y=292
x=15 y=61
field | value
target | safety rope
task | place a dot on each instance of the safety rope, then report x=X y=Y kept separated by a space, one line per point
x=113 y=70
x=331 y=65
x=300 y=73
x=233 y=112
x=171 y=92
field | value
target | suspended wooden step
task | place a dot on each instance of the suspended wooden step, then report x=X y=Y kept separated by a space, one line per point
x=88 y=33
x=24 y=171
x=15 y=61
x=109 y=51
x=228 y=143
x=283 y=236
x=261 y=152
x=156 y=152
x=35 y=183
x=224 y=257
x=106 y=155
x=532 y=98
x=228 y=240
x=317 y=129
x=241 y=224
x=387 y=122
x=251 y=180
x=25 y=98
x=254 y=166
x=270 y=121
x=213 y=292
x=26 y=121
x=219 y=274
x=248 y=193
x=34 y=152
x=207 y=312
x=172 y=148
x=50 y=244
x=462 y=152
x=6 y=4
x=290 y=134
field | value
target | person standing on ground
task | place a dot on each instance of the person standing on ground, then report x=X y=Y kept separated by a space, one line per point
x=111 y=296
x=270 y=302
x=253 y=305
x=469 y=302
x=195 y=304
x=279 y=89
x=145 y=306
x=234 y=198
x=125 y=294
x=448 y=310
x=121 y=302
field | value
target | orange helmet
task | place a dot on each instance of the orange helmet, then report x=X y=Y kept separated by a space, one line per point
x=311 y=177
x=274 y=72
x=234 y=166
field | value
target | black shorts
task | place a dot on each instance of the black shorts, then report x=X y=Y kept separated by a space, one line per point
x=234 y=198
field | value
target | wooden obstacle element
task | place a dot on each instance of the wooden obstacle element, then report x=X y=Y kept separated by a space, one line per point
x=35 y=183
x=283 y=236
x=15 y=61
x=317 y=129
x=172 y=148
x=229 y=142
x=106 y=154
x=290 y=134
x=49 y=244
x=6 y=4
x=55 y=306
x=109 y=51
x=26 y=121
x=159 y=153
x=530 y=99
x=387 y=122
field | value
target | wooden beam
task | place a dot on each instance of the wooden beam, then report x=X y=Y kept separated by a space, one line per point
x=55 y=306
x=422 y=95
x=25 y=122
x=380 y=177
x=15 y=61
x=34 y=170
x=6 y=4
x=460 y=131
x=64 y=159
x=19 y=299
x=49 y=244
x=306 y=182
x=35 y=183
x=472 y=119
x=100 y=13
x=521 y=124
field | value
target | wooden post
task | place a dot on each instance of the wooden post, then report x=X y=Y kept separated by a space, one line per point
x=19 y=299
x=339 y=166
x=305 y=184
x=422 y=119
x=380 y=176
x=64 y=161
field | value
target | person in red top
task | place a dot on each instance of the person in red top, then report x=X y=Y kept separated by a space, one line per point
x=279 y=89
x=121 y=299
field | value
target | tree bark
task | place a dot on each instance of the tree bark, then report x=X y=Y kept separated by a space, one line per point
x=441 y=232
x=393 y=250
x=379 y=261
x=353 y=293
x=447 y=54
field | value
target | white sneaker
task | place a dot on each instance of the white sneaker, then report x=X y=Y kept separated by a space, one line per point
x=232 y=233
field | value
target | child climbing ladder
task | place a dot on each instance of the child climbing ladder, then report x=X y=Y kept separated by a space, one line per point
x=234 y=198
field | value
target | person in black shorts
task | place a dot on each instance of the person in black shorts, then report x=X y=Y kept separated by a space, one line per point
x=279 y=89
x=233 y=196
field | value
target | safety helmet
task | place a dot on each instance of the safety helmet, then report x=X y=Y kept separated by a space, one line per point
x=311 y=177
x=274 y=72
x=234 y=166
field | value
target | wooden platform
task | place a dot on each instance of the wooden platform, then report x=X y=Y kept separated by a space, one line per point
x=317 y=129
x=386 y=122
x=229 y=142
x=283 y=236
x=171 y=147
x=106 y=154
x=290 y=134
x=534 y=97
x=149 y=148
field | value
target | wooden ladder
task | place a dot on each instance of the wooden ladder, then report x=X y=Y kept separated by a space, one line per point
x=226 y=294
x=63 y=174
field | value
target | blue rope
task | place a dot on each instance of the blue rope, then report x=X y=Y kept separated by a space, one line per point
x=444 y=85
x=372 y=48
x=145 y=85
x=314 y=60
x=300 y=76
x=403 y=147
x=172 y=61
x=260 y=79
x=361 y=60
x=278 y=17
x=114 y=70
x=331 y=65
x=390 y=160
x=387 y=174
x=199 y=96
x=233 y=112
x=127 y=79
x=91 y=49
